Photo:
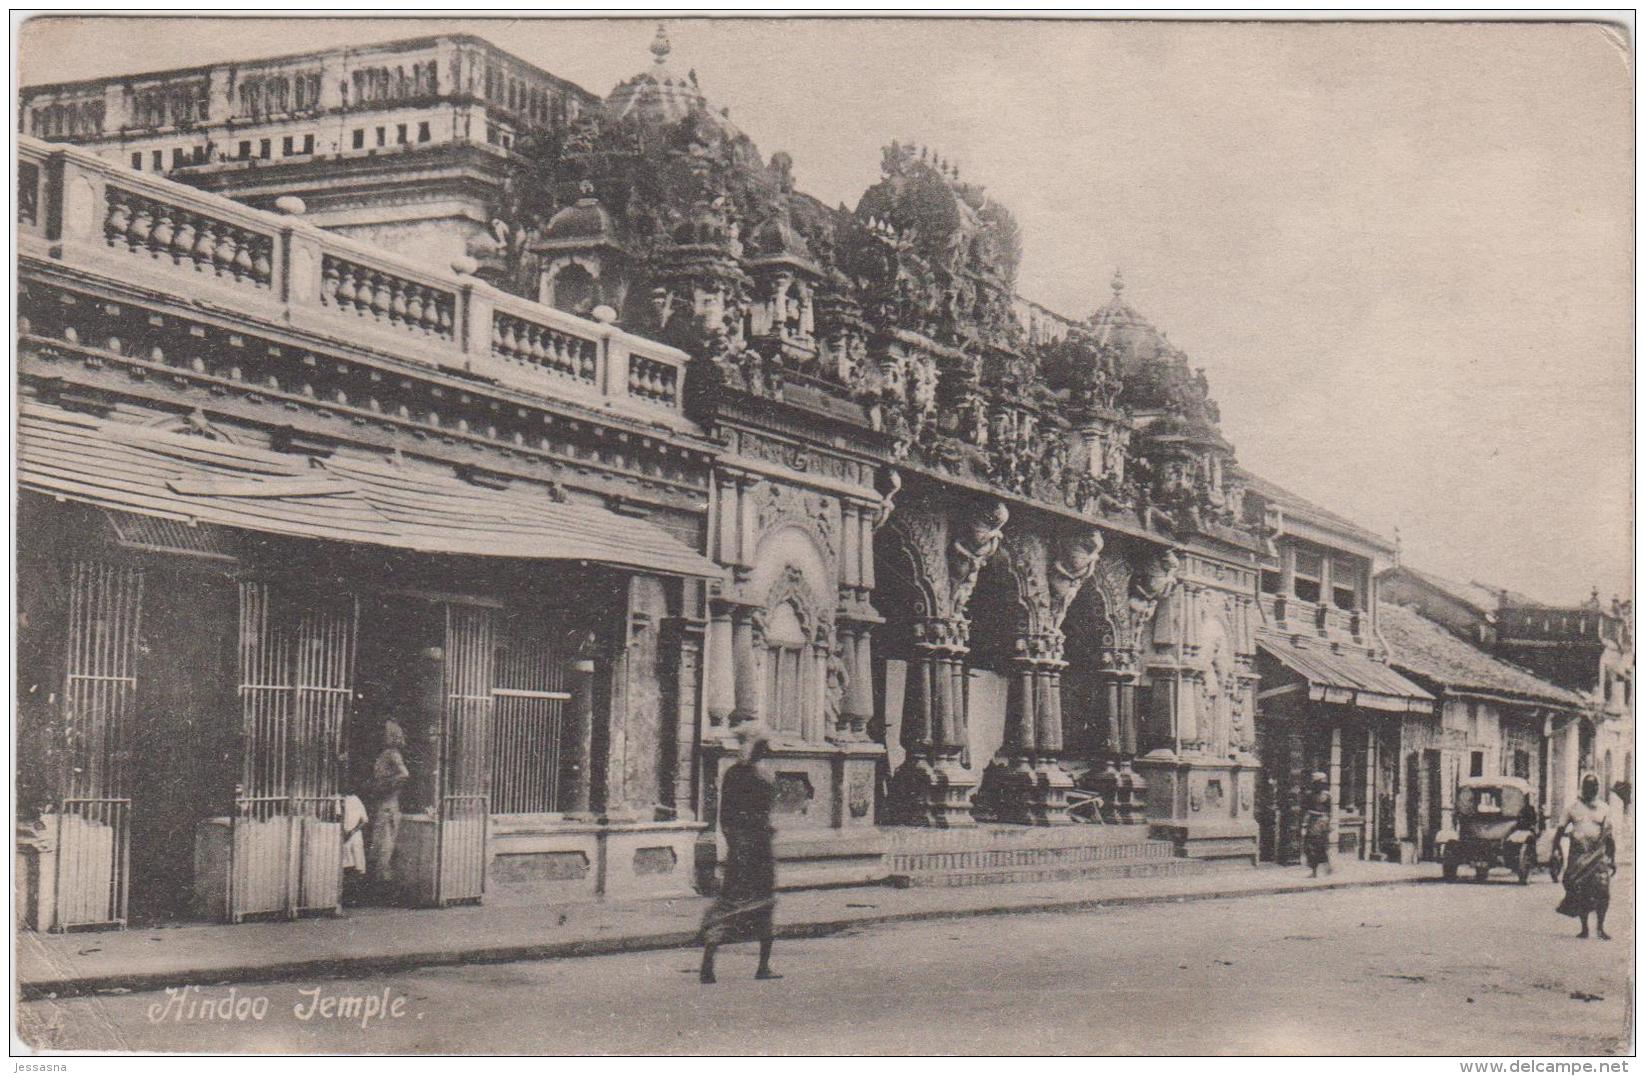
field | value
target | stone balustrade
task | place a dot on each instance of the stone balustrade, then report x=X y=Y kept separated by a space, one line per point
x=649 y=379
x=208 y=244
x=534 y=345
x=387 y=298
x=148 y=232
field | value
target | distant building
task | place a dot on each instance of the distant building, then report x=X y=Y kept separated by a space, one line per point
x=1494 y=720
x=401 y=144
x=1586 y=649
x=1328 y=701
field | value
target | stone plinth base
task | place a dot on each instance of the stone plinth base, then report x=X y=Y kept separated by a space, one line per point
x=1020 y=792
x=808 y=860
x=1203 y=805
x=546 y=860
x=927 y=794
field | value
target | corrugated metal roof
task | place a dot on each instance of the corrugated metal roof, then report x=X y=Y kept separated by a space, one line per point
x=1424 y=648
x=171 y=475
x=1348 y=678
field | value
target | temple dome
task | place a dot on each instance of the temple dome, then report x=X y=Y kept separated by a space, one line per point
x=1133 y=338
x=659 y=96
x=777 y=240
x=584 y=223
x=1155 y=372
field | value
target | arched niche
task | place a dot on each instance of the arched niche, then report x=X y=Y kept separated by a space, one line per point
x=998 y=615
x=793 y=631
x=904 y=595
x=574 y=289
x=1089 y=638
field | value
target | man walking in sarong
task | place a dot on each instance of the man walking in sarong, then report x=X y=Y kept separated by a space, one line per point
x=747 y=897
x=1590 y=858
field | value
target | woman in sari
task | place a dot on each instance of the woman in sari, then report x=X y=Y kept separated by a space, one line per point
x=1316 y=825
x=1590 y=858
x=747 y=897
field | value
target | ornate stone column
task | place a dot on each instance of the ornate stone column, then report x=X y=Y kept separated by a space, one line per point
x=933 y=787
x=1028 y=783
x=1030 y=786
x=721 y=669
x=1114 y=777
x=746 y=663
x=682 y=640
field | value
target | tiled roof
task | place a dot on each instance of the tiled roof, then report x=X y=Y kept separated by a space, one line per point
x=1422 y=648
x=1476 y=596
x=1308 y=511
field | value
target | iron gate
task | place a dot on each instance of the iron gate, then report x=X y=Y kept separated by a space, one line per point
x=527 y=758
x=296 y=684
x=465 y=757
x=93 y=847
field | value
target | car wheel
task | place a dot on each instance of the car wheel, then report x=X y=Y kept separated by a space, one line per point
x=1450 y=869
x=1481 y=873
x=1527 y=863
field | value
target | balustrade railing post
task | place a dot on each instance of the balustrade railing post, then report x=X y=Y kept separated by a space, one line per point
x=477 y=308
x=81 y=200
x=614 y=363
x=298 y=269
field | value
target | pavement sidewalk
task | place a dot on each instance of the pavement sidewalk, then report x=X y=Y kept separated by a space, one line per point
x=374 y=940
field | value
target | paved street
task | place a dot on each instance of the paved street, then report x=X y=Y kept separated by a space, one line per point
x=1465 y=968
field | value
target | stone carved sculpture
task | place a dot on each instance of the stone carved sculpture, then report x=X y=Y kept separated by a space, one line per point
x=1150 y=585
x=888 y=498
x=975 y=547
x=837 y=685
x=1076 y=563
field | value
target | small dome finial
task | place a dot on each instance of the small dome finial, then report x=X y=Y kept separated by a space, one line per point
x=1118 y=284
x=660 y=47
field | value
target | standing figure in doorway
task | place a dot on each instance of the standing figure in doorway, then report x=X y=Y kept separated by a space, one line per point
x=388 y=774
x=1590 y=858
x=747 y=898
x=1316 y=824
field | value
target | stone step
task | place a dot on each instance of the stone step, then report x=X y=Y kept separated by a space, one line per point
x=1128 y=868
x=986 y=858
x=902 y=840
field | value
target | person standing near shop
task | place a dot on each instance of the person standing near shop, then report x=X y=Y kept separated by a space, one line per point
x=1316 y=824
x=747 y=898
x=388 y=775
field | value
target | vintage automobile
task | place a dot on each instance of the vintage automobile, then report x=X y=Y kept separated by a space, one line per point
x=1496 y=826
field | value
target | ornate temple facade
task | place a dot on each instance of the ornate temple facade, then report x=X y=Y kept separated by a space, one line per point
x=573 y=451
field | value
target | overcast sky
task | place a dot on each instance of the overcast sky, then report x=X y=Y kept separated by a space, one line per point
x=1401 y=252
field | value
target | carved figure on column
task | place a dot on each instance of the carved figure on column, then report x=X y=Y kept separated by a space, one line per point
x=976 y=545
x=888 y=497
x=1076 y=564
x=1150 y=585
x=836 y=689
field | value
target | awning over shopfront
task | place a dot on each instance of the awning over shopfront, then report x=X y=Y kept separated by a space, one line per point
x=1343 y=678
x=204 y=480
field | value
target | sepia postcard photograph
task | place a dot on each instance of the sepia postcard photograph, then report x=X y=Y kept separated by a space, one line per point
x=802 y=534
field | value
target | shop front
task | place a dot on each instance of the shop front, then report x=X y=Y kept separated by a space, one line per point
x=217 y=641
x=1326 y=709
